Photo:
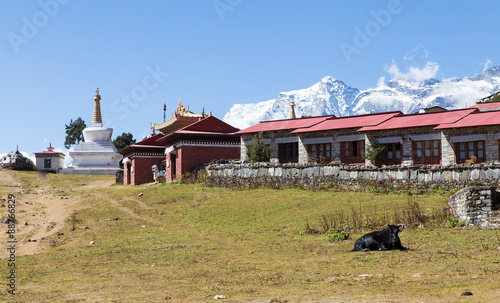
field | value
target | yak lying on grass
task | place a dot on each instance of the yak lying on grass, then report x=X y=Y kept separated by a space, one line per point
x=385 y=239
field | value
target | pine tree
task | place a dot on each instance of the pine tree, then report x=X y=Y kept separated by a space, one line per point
x=74 y=132
x=123 y=140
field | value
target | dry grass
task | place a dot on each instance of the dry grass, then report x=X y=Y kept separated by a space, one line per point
x=200 y=242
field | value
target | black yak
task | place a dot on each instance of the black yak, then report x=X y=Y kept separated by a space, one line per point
x=385 y=239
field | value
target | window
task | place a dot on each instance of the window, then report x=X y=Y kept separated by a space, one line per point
x=393 y=153
x=47 y=163
x=426 y=152
x=466 y=150
x=319 y=153
x=351 y=152
x=288 y=152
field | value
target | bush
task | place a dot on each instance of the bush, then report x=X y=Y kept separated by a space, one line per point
x=339 y=236
x=375 y=153
x=453 y=222
x=258 y=150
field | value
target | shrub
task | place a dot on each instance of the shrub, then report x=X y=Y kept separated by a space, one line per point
x=375 y=153
x=258 y=150
x=339 y=236
x=453 y=222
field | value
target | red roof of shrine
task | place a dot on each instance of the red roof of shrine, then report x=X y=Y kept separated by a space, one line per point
x=151 y=141
x=421 y=120
x=48 y=153
x=206 y=126
x=288 y=124
x=349 y=122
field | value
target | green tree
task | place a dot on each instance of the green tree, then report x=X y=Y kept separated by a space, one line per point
x=495 y=98
x=123 y=140
x=258 y=150
x=74 y=132
x=375 y=153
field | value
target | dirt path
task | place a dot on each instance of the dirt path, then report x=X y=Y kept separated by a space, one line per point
x=38 y=216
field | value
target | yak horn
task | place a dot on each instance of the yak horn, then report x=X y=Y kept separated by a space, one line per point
x=402 y=227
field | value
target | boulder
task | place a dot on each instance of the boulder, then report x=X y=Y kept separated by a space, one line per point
x=16 y=161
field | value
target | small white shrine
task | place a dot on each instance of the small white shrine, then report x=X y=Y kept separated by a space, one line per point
x=96 y=155
x=50 y=160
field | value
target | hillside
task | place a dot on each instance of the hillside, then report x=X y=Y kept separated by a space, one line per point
x=189 y=243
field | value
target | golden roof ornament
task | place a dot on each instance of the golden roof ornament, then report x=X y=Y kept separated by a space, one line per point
x=180 y=108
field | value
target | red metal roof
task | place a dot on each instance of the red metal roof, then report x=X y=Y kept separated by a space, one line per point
x=349 y=122
x=206 y=126
x=287 y=124
x=150 y=142
x=475 y=119
x=487 y=106
x=48 y=153
x=209 y=124
x=421 y=120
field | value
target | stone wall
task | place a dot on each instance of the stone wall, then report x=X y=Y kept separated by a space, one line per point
x=461 y=175
x=477 y=206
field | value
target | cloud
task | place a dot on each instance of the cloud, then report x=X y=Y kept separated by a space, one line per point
x=462 y=93
x=415 y=75
x=486 y=65
x=416 y=53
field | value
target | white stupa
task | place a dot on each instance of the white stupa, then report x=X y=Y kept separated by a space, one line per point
x=96 y=155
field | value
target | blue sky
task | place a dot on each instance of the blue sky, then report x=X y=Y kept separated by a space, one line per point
x=215 y=53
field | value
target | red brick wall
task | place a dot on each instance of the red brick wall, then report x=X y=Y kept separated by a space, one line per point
x=190 y=156
x=142 y=172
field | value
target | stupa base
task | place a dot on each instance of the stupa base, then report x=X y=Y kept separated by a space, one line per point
x=90 y=170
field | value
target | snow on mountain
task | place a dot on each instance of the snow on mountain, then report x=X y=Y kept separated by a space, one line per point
x=332 y=96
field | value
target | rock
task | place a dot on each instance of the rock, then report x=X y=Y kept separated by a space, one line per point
x=16 y=161
x=84 y=227
x=91 y=242
x=140 y=195
x=466 y=293
x=366 y=276
x=220 y=297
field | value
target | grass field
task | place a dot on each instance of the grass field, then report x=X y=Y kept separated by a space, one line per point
x=189 y=243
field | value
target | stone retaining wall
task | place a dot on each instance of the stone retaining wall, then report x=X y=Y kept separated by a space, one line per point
x=477 y=174
x=476 y=206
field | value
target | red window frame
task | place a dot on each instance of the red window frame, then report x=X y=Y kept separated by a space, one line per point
x=465 y=150
x=319 y=153
x=393 y=153
x=351 y=152
x=288 y=152
x=426 y=152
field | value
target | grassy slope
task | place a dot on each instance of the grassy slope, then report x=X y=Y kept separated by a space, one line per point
x=199 y=242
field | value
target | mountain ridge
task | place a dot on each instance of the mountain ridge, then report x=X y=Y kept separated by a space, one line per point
x=331 y=96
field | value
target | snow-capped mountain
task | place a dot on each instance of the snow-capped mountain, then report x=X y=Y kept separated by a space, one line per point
x=332 y=96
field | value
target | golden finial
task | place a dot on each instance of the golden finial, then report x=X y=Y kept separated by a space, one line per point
x=292 y=112
x=97 y=108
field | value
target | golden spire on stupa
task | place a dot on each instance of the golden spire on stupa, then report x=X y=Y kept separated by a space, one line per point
x=97 y=108
x=292 y=112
